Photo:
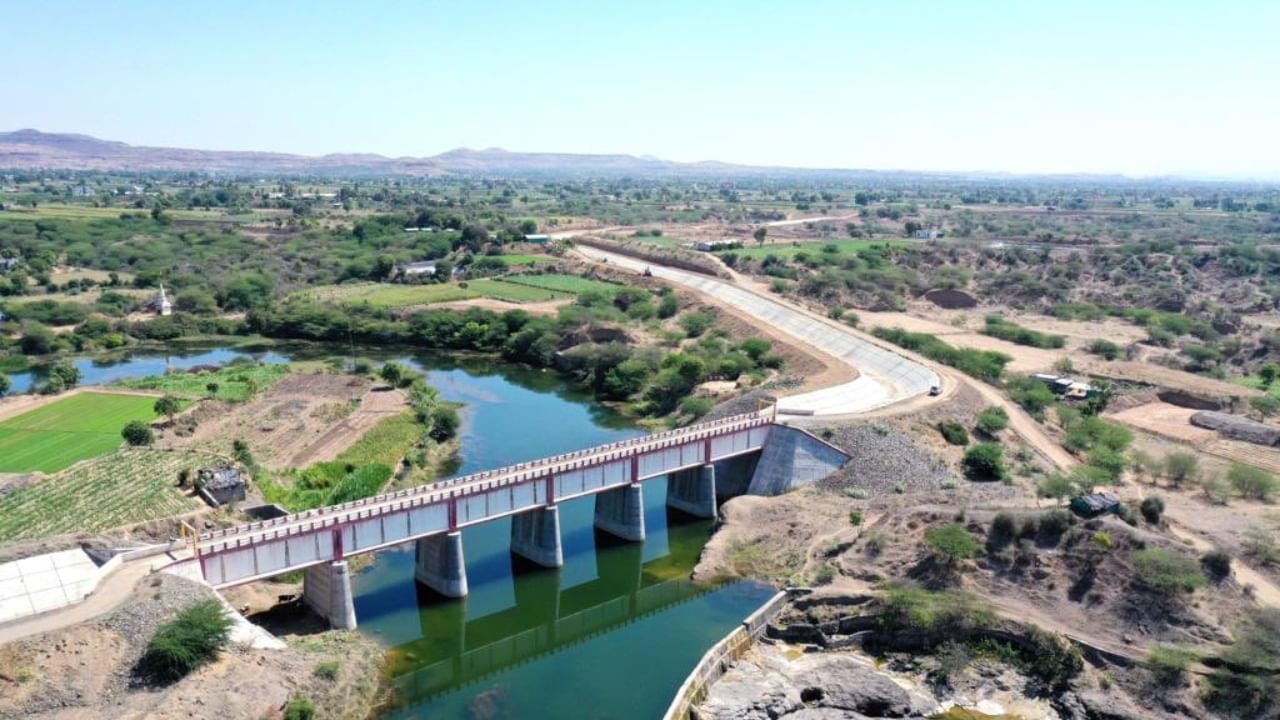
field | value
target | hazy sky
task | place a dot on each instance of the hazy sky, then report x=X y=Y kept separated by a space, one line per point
x=1173 y=86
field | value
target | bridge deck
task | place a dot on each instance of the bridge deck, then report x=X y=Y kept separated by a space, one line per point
x=257 y=550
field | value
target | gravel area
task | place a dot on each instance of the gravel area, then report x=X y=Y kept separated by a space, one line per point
x=885 y=459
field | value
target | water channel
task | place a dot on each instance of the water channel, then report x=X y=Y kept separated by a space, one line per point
x=610 y=635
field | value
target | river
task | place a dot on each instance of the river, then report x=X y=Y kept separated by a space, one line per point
x=611 y=635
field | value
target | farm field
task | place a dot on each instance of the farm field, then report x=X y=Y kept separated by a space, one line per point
x=515 y=260
x=86 y=297
x=123 y=488
x=62 y=433
x=570 y=284
x=788 y=251
x=393 y=296
x=236 y=383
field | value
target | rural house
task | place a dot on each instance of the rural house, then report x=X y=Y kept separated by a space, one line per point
x=221 y=485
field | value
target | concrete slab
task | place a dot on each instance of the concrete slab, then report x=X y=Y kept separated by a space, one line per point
x=42 y=583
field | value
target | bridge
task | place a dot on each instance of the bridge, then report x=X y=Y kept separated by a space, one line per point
x=319 y=541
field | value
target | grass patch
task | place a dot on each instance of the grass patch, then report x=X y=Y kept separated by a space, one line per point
x=64 y=432
x=385 y=443
x=510 y=290
x=235 y=383
x=127 y=487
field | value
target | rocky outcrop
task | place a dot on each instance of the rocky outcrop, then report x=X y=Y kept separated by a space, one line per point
x=821 y=686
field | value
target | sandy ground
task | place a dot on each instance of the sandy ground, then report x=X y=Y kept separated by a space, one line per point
x=546 y=307
x=1174 y=423
x=300 y=420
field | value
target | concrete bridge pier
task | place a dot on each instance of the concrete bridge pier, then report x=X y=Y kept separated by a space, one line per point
x=693 y=491
x=535 y=535
x=440 y=566
x=620 y=512
x=326 y=589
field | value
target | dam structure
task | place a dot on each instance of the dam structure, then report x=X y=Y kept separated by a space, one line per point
x=776 y=457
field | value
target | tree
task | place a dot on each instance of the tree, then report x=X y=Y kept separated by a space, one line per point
x=1152 y=508
x=5 y=384
x=212 y=388
x=984 y=461
x=393 y=373
x=760 y=234
x=951 y=543
x=185 y=643
x=137 y=433
x=1181 y=467
x=1251 y=482
x=167 y=406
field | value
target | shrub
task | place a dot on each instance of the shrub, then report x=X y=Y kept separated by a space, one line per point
x=1103 y=540
x=1152 y=508
x=1251 y=482
x=951 y=542
x=299 y=709
x=984 y=461
x=327 y=669
x=856 y=518
x=1246 y=684
x=992 y=420
x=696 y=407
x=185 y=643
x=1181 y=467
x=1004 y=528
x=1216 y=564
x=1105 y=348
x=1056 y=485
x=954 y=433
x=1053 y=523
x=137 y=433
x=953 y=658
x=1166 y=571
x=1168 y=665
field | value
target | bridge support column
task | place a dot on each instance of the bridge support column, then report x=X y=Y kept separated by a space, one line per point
x=440 y=566
x=326 y=589
x=620 y=512
x=693 y=491
x=536 y=535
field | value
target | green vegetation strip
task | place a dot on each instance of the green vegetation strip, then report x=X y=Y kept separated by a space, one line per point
x=359 y=471
x=564 y=283
x=234 y=383
x=985 y=365
x=64 y=432
x=127 y=487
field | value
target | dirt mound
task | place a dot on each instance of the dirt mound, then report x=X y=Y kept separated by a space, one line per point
x=951 y=299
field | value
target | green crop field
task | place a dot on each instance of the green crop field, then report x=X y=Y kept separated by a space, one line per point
x=236 y=383
x=564 y=283
x=394 y=296
x=789 y=250
x=516 y=259
x=64 y=432
x=123 y=488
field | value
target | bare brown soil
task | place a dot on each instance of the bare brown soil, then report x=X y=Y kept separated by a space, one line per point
x=546 y=307
x=86 y=672
x=302 y=419
x=1174 y=423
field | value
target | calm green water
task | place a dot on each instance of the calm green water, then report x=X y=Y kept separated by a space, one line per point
x=611 y=634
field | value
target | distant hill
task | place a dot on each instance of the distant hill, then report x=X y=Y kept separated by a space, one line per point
x=32 y=149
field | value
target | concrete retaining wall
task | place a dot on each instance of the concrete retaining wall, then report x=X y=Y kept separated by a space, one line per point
x=720 y=657
x=792 y=458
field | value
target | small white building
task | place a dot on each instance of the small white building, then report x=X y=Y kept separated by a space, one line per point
x=160 y=304
x=414 y=269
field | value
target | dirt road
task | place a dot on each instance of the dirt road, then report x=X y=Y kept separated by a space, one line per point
x=113 y=590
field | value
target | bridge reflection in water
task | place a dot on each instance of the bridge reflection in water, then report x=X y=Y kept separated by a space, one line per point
x=518 y=613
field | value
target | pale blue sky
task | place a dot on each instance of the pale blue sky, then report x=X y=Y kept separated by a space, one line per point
x=1033 y=86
